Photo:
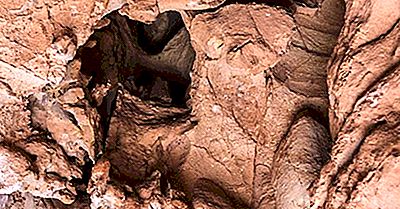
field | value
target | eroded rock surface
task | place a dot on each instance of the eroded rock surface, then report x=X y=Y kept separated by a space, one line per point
x=364 y=113
x=204 y=104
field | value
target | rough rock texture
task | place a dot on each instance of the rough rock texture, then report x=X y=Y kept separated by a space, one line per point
x=204 y=104
x=104 y=194
x=364 y=115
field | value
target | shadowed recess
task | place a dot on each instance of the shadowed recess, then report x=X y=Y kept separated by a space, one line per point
x=153 y=62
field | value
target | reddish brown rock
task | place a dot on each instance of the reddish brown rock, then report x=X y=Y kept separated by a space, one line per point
x=237 y=105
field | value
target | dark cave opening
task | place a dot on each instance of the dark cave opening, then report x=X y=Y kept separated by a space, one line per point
x=152 y=61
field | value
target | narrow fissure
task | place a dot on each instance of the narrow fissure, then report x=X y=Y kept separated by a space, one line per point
x=287 y=5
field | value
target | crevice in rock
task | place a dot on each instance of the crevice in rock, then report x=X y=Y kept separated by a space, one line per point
x=144 y=59
x=304 y=71
x=288 y=5
x=107 y=57
x=147 y=64
x=275 y=3
x=81 y=184
x=105 y=110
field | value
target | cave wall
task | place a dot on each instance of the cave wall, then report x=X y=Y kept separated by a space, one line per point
x=278 y=91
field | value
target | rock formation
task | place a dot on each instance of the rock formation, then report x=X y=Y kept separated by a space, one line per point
x=200 y=104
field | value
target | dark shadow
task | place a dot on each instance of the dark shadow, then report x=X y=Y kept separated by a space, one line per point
x=152 y=38
x=131 y=53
